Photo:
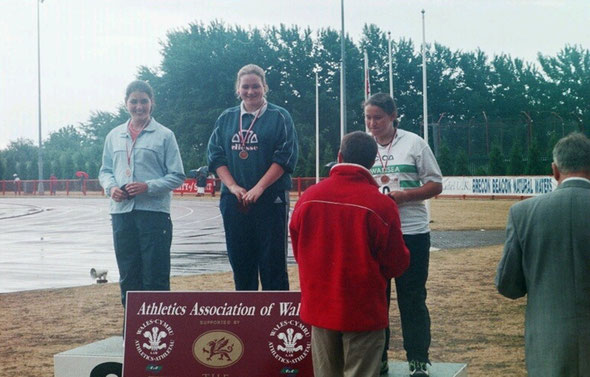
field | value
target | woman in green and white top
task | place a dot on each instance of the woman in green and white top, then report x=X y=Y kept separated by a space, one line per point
x=407 y=171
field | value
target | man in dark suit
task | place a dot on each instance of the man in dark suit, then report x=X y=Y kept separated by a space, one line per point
x=547 y=258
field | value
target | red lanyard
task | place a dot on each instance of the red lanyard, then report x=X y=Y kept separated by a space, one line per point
x=242 y=137
x=384 y=165
x=130 y=152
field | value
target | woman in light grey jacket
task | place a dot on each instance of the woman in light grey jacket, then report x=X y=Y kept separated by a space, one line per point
x=141 y=165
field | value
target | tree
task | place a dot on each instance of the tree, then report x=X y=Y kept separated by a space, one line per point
x=461 y=164
x=515 y=165
x=496 y=164
x=68 y=170
x=79 y=161
x=534 y=166
x=482 y=98
x=10 y=165
x=100 y=124
x=445 y=160
x=568 y=82
x=56 y=169
x=3 y=174
x=91 y=167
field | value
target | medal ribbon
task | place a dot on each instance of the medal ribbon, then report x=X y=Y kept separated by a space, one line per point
x=130 y=152
x=384 y=165
x=242 y=137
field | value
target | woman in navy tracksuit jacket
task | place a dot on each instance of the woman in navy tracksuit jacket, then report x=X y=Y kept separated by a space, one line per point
x=253 y=150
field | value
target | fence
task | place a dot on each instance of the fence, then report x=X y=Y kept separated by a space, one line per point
x=77 y=187
x=51 y=187
x=464 y=187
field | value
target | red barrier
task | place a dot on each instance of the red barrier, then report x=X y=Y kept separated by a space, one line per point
x=50 y=187
x=190 y=187
x=61 y=187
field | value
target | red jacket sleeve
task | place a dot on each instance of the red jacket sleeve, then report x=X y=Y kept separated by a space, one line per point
x=393 y=255
x=294 y=230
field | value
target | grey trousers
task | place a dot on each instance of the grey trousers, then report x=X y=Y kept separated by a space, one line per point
x=346 y=354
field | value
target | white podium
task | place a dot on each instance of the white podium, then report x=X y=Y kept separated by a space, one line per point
x=82 y=361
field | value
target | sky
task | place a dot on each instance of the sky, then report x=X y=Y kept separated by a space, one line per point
x=91 y=50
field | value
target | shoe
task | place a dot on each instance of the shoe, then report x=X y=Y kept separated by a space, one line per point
x=418 y=369
x=384 y=368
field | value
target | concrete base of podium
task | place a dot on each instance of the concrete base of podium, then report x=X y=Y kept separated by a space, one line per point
x=104 y=358
x=98 y=359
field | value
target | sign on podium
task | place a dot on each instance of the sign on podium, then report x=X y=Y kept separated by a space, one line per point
x=216 y=334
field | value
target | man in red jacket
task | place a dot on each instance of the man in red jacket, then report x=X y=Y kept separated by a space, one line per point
x=348 y=243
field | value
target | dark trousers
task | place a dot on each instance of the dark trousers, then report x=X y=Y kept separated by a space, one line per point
x=257 y=240
x=411 y=300
x=142 y=246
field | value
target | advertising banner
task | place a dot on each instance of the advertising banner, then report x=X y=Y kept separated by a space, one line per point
x=189 y=186
x=216 y=334
x=498 y=186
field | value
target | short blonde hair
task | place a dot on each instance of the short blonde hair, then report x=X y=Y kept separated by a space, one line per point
x=251 y=69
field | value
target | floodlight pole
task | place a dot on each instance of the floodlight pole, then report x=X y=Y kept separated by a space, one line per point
x=342 y=75
x=317 y=128
x=40 y=188
x=390 y=65
x=425 y=97
x=424 y=86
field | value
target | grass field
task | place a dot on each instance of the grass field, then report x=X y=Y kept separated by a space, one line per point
x=471 y=322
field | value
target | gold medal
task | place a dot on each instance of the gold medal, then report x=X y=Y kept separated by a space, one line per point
x=128 y=172
x=243 y=154
x=384 y=179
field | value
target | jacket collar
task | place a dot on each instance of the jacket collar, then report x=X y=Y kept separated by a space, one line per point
x=253 y=113
x=358 y=171
x=151 y=127
x=583 y=183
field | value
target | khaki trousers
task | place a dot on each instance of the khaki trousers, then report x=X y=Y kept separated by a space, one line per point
x=346 y=354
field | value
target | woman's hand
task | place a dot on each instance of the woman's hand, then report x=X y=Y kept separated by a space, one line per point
x=274 y=172
x=238 y=191
x=117 y=194
x=136 y=188
x=399 y=196
x=426 y=191
x=252 y=196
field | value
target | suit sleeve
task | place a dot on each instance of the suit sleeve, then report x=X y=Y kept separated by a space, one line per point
x=510 y=279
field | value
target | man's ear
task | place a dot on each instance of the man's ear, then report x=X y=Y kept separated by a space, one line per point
x=340 y=159
x=556 y=173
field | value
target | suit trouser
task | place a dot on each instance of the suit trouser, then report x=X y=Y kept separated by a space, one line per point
x=348 y=354
x=257 y=240
x=411 y=300
x=142 y=246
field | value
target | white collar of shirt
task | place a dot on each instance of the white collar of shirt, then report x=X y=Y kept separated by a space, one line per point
x=244 y=111
x=576 y=178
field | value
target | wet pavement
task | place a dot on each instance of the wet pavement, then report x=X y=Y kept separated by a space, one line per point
x=54 y=242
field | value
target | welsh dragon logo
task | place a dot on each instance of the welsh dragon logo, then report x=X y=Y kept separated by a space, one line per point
x=219 y=347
